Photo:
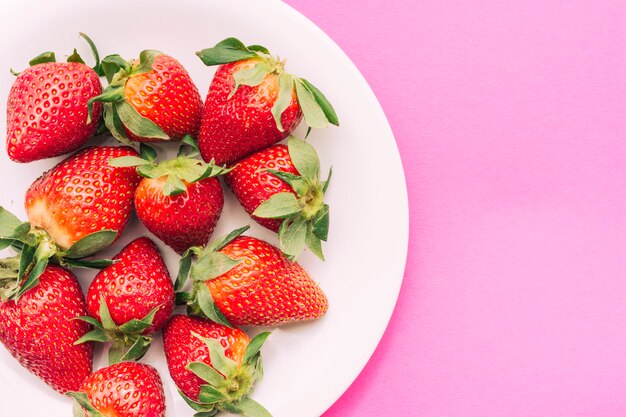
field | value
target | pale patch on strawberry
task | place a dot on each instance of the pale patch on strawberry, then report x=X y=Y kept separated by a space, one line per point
x=39 y=216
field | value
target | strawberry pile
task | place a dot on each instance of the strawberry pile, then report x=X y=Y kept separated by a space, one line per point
x=82 y=205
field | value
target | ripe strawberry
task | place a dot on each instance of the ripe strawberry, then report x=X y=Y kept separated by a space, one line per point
x=180 y=200
x=122 y=390
x=130 y=300
x=151 y=99
x=47 y=107
x=82 y=195
x=253 y=103
x=214 y=366
x=39 y=328
x=75 y=209
x=246 y=281
x=280 y=188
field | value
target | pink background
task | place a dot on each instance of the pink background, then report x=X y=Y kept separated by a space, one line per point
x=510 y=117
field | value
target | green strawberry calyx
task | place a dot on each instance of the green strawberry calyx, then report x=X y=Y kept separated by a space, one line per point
x=202 y=264
x=129 y=341
x=185 y=169
x=227 y=382
x=36 y=249
x=304 y=213
x=118 y=112
x=50 y=56
x=317 y=110
x=83 y=405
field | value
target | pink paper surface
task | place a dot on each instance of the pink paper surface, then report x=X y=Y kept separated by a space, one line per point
x=510 y=117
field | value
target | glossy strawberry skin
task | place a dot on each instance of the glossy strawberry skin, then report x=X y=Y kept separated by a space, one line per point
x=182 y=220
x=47 y=110
x=133 y=286
x=265 y=289
x=127 y=389
x=182 y=348
x=83 y=194
x=234 y=128
x=252 y=184
x=40 y=329
x=168 y=97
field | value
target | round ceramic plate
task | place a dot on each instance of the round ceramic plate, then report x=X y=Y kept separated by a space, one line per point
x=307 y=366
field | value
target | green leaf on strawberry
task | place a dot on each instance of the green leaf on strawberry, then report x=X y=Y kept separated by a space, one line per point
x=148 y=152
x=204 y=305
x=75 y=57
x=253 y=349
x=313 y=113
x=8 y=223
x=211 y=265
x=251 y=76
x=112 y=95
x=146 y=61
x=117 y=63
x=321 y=222
x=26 y=259
x=228 y=50
x=279 y=206
x=136 y=123
x=314 y=243
x=91 y=244
x=292 y=236
x=88 y=263
x=128 y=161
x=83 y=406
x=41 y=262
x=43 y=58
x=5 y=243
x=205 y=372
x=285 y=86
x=220 y=242
x=305 y=159
x=322 y=101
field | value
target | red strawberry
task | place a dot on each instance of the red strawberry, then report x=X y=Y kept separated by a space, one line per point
x=47 y=108
x=74 y=210
x=280 y=188
x=246 y=281
x=181 y=220
x=150 y=99
x=253 y=183
x=180 y=200
x=82 y=195
x=39 y=328
x=122 y=390
x=130 y=300
x=253 y=103
x=214 y=366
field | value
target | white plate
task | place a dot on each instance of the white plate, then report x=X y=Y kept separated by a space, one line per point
x=307 y=366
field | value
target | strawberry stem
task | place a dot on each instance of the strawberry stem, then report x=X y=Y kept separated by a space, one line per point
x=97 y=68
